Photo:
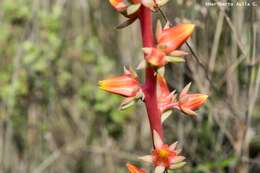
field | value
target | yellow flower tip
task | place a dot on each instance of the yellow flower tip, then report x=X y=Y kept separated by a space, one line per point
x=192 y=26
x=113 y=2
x=153 y=62
x=203 y=97
x=189 y=28
x=102 y=84
x=186 y=28
x=131 y=168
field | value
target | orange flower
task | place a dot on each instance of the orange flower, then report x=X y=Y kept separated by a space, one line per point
x=170 y=39
x=164 y=156
x=155 y=57
x=130 y=7
x=126 y=85
x=133 y=169
x=119 y=5
x=166 y=100
x=190 y=102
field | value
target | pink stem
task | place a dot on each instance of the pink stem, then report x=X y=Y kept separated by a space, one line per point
x=149 y=88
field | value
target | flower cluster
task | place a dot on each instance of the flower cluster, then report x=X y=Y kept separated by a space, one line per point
x=131 y=7
x=128 y=85
x=186 y=102
x=166 y=49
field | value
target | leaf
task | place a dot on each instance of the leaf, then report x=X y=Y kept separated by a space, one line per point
x=157 y=139
x=158 y=29
x=161 y=71
x=126 y=23
x=173 y=59
x=141 y=65
x=128 y=102
x=179 y=53
x=133 y=9
x=178 y=165
x=165 y=115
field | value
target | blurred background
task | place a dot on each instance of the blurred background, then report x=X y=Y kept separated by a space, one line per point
x=54 y=119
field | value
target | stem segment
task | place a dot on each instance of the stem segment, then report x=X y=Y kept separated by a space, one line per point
x=149 y=88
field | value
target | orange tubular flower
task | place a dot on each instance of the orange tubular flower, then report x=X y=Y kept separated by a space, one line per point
x=166 y=100
x=170 y=39
x=119 y=5
x=164 y=156
x=130 y=7
x=190 y=102
x=155 y=57
x=133 y=169
x=126 y=85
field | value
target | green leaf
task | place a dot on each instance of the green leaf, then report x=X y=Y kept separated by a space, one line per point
x=133 y=8
x=172 y=59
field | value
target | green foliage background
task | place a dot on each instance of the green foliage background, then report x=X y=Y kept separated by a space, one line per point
x=53 y=117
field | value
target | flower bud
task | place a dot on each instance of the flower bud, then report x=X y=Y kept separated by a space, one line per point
x=188 y=103
x=126 y=85
x=134 y=169
x=172 y=38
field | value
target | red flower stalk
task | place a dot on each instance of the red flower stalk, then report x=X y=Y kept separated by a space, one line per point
x=134 y=169
x=149 y=88
x=126 y=85
x=188 y=103
x=155 y=92
x=164 y=156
